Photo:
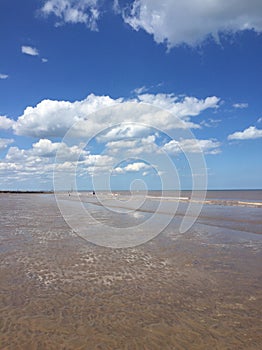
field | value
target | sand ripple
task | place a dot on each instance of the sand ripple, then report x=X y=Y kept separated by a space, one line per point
x=176 y=292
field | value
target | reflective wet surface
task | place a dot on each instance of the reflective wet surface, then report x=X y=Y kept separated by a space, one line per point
x=197 y=290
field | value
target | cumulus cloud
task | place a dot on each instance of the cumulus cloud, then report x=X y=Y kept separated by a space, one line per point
x=3 y=76
x=6 y=123
x=175 y=22
x=44 y=156
x=73 y=11
x=248 y=134
x=132 y=167
x=44 y=60
x=133 y=147
x=128 y=129
x=54 y=118
x=172 y=22
x=44 y=151
x=181 y=108
x=192 y=146
x=28 y=50
x=151 y=145
x=122 y=132
x=22 y=165
x=45 y=148
x=240 y=105
x=49 y=149
x=4 y=143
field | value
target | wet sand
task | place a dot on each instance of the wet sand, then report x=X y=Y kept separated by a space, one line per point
x=199 y=290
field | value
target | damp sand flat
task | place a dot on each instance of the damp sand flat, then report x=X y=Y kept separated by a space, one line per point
x=197 y=290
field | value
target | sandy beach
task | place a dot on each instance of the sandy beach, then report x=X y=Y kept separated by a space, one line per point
x=197 y=290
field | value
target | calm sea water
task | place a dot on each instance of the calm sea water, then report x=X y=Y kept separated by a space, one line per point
x=230 y=195
x=225 y=195
x=226 y=210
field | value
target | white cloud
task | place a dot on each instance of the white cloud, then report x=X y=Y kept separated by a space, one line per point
x=44 y=60
x=116 y=7
x=44 y=151
x=259 y=120
x=210 y=122
x=46 y=148
x=175 y=22
x=54 y=118
x=127 y=134
x=192 y=146
x=73 y=11
x=28 y=50
x=240 y=105
x=140 y=90
x=185 y=107
x=20 y=165
x=6 y=123
x=3 y=76
x=147 y=145
x=39 y=161
x=132 y=167
x=133 y=147
x=4 y=143
x=123 y=131
x=131 y=143
x=248 y=134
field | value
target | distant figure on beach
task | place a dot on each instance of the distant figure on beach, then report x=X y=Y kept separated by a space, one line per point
x=94 y=193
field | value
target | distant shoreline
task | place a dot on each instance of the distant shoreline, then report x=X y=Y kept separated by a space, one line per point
x=27 y=192
x=81 y=191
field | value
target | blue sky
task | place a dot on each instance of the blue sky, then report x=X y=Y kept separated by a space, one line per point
x=62 y=61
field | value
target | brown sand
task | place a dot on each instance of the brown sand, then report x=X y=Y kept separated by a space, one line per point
x=175 y=292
